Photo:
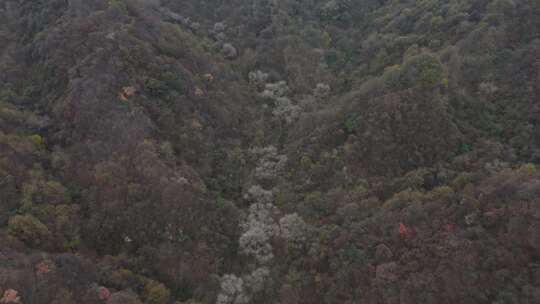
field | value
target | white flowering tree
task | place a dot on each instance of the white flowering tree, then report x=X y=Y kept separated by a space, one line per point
x=270 y=163
x=232 y=291
x=258 y=227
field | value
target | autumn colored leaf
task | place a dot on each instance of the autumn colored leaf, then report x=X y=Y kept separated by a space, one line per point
x=103 y=293
x=42 y=268
x=450 y=228
x=403 y=231
x=10 y=296
x=126 y=93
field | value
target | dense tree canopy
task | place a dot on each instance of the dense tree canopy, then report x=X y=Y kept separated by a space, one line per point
x=258 y=151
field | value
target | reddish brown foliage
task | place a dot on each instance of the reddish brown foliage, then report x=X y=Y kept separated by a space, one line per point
x=126 y=93
x=450 y=228
x=42 y=268
x=10 y=296
x=403 y=230
x=104 y=294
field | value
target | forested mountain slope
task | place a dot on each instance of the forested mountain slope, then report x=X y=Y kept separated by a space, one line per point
x=258 y=151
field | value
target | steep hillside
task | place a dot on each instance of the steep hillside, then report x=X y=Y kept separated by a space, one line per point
x=257 y=151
